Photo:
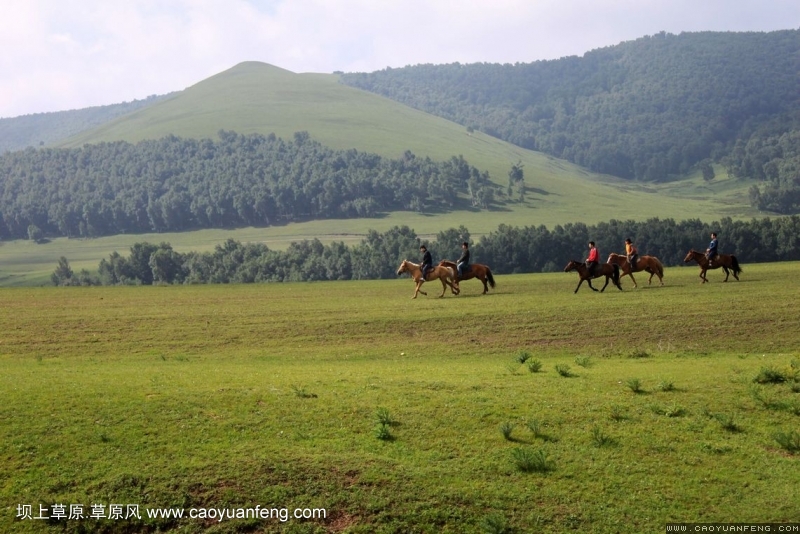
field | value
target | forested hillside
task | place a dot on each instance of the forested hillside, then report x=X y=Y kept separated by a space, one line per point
x=645 y=109
x=40 y=129
x=175 y=184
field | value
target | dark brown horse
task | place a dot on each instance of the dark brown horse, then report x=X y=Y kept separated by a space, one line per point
x=445 y=275
x=602 y=269
x=648 y=264
x=476 y=270
x=728 y=262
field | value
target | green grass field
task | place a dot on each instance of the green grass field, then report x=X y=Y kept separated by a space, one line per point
x=272 y=395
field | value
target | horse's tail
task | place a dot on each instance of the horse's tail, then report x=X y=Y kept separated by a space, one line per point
x=659 y=267
x=489 y=277
x=735 y=265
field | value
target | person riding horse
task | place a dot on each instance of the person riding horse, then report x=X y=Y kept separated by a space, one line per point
x=427 y=261
x=712 y=251
x=632 y=253
x=593 y=259
x=463 y=262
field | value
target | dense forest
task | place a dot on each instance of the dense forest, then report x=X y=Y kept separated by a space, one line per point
x=38 y=129
x=645 y=109
x=507 y=250
x=175 y=184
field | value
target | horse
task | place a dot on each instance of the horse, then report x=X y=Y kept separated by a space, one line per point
x=648 y=264
x=476 y=270
x=602 y=269
x=726 y=261
x=446 y=276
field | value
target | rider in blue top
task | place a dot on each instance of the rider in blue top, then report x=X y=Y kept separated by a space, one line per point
x=711 y=251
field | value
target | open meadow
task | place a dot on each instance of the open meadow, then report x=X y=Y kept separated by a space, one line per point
x=528 y=409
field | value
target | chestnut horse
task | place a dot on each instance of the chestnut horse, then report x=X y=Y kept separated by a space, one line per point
x=445 y=275
x=726 y=261
x=602 y=269
x=476 y=270
x=648 y=264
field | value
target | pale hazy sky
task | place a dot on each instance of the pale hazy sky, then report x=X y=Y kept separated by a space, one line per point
x=67 y=54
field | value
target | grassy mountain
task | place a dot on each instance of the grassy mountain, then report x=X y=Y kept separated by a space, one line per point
x=259 y=98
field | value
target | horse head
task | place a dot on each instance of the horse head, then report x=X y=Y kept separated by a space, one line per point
x=571 y=266
x=403 y=267
x=691 y=255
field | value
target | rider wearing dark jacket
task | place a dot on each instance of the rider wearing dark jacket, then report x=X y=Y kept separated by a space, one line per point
x=711 y=251
x=427 y=261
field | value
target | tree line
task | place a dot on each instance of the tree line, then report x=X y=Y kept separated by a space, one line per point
x=177 y=184
x=645 y=109
x=506 y=250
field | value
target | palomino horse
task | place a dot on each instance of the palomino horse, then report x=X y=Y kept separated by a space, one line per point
x=445 y=275
x=648 y=264
x=476 y=270
x=726 y=261
x=602 y=269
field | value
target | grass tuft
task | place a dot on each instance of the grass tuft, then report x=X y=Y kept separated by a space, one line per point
x=506 y=429
x=639 y=353
x=301 y=392
x=534 y=366
x=770 y=375
x=601 y=439
x=384 y=417
x=728 y=422
x=523 y=356
x=666 y=386
x=635 y=385
x=563 y=370
x=530 y=461
x=617 y=413
x=789 y=441
x=496 y=524
x=383 y=432
x=583 y=361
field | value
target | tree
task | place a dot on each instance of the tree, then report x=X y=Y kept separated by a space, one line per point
x=516 y=181
x=35 y=233
x=62 y=276
x=707 y=169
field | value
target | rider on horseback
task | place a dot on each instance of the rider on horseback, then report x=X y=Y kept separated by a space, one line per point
x=463 y=262
x=427 y=261
x=632 y=253
x=593 y=259
x=711 y=251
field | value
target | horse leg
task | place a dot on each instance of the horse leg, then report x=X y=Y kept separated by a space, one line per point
x=589 y=281
x=485 y=287
x=579 y=285
x=632 y=279
x=703 y=276
x=727 y=273
x=604 y=285
x=444 y=286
